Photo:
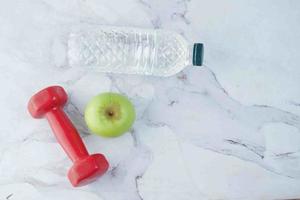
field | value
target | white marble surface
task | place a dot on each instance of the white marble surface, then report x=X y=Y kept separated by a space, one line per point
x=229 y=130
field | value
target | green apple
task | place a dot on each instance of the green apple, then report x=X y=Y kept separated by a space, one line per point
x=109 y=114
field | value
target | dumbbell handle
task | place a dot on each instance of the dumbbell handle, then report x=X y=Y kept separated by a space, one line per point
x=66 y=134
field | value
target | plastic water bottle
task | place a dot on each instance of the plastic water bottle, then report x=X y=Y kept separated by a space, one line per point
x=132 y=51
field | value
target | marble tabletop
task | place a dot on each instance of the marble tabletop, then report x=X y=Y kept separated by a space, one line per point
x=227 y=130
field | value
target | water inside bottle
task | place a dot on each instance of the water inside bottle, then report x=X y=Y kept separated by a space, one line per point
x=129 y=50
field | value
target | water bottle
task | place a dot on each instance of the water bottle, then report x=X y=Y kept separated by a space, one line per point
x=132 y=51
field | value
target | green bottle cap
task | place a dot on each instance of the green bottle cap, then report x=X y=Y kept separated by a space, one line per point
x=198 y=54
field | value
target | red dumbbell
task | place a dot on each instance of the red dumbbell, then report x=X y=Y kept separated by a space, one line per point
x=49 y=102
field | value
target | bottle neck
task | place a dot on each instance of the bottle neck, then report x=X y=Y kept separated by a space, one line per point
x=190 y=54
